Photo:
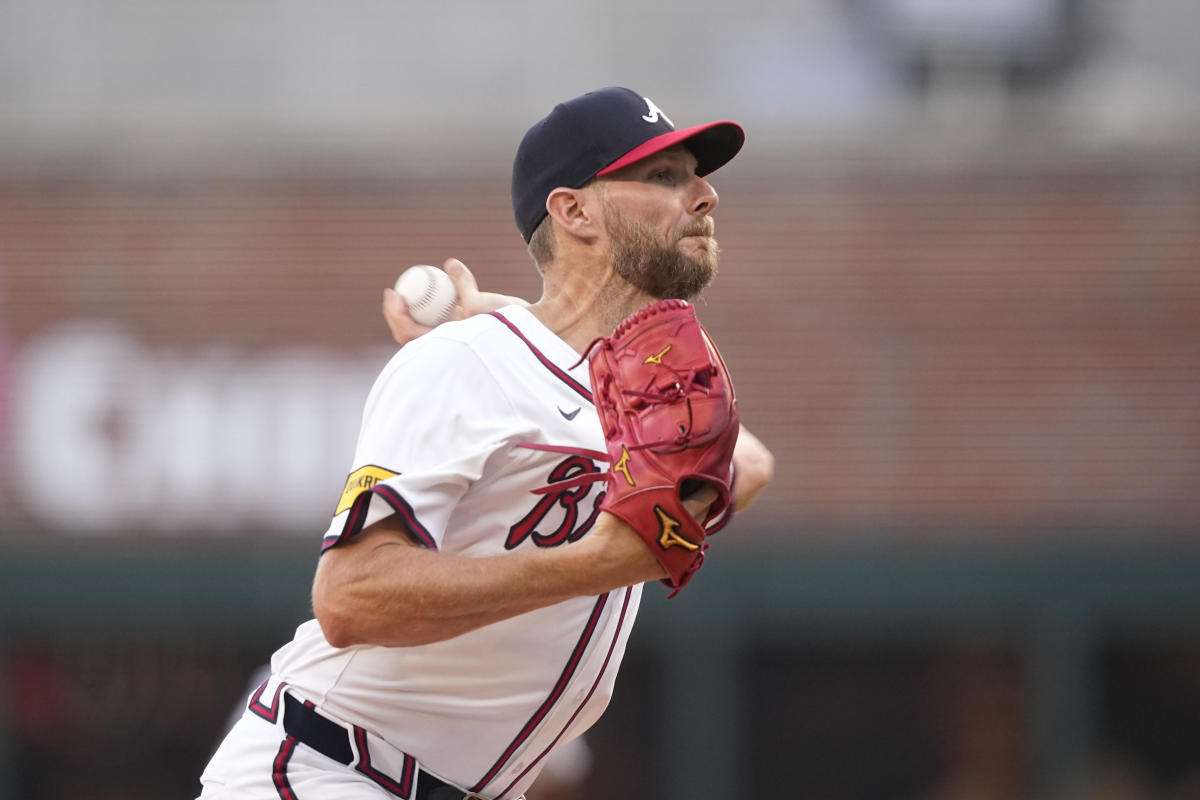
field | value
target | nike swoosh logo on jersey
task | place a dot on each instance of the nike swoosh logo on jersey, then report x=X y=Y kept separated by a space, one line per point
x=568 y=415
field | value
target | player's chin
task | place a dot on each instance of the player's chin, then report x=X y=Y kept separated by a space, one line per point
x=700 y=247
x=693 y=277
x=704 y=261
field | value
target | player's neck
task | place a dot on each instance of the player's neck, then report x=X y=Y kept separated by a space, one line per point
x=580 y=307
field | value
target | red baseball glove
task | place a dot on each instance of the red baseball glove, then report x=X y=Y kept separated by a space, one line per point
x=669 y=415
x=666 y=404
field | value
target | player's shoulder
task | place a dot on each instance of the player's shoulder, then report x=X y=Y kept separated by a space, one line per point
x=470 y=330
x=454 y=342
x=485 y=334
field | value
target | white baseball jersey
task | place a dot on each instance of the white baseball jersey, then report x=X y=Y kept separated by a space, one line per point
x=440 y=446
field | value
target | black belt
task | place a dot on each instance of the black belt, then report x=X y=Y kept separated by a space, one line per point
x=307 y=726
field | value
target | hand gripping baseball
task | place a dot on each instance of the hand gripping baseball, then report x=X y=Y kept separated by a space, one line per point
x=670 y=421
x=404 y=328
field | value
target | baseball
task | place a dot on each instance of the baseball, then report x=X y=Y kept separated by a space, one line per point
x=429 y=293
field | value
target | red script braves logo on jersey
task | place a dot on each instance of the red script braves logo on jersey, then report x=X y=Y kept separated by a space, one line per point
x=569 y=528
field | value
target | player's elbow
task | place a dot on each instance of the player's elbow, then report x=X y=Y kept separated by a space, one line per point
x=343 y=627
x=336 y=629
x=339 y=623
x=754 y=468
x=334 y=626
x=351 y=610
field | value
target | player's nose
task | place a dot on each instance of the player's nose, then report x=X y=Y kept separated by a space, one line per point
x=704 y=200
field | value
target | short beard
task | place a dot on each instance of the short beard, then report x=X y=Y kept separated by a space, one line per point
x=660 y=270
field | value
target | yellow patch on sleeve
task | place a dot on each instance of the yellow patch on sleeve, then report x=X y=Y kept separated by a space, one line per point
x=360 y=481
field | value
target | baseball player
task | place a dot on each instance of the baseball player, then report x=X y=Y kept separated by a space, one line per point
x=472 y=600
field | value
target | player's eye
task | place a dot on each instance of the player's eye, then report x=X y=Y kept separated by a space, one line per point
x=663 y=175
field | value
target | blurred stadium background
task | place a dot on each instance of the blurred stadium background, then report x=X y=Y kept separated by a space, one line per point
x=960 y=297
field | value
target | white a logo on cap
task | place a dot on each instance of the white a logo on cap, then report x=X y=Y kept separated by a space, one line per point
x=655 y=113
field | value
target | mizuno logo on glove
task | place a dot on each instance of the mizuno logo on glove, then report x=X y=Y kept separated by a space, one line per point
x=622 y=466
x=669 y=535
x=657 y=357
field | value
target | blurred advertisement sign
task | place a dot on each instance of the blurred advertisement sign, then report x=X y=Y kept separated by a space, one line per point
x=112 y=435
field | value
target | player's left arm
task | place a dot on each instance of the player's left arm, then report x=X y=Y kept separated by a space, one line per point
x=753 y=468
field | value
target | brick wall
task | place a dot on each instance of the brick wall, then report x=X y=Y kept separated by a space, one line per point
x=925 y=353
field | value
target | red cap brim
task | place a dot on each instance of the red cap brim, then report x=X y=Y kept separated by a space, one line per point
x=713 y=145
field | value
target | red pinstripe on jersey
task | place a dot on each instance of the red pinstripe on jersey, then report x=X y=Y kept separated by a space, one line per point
x=400 y=787
x=558 y=371
x=279 y=769
x=559 y=687
x=269 y=713
x=603 y=667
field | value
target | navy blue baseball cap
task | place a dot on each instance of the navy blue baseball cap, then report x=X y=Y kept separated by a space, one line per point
x=598 y=133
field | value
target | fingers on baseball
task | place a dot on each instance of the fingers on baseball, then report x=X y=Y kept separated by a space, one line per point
x=400 y=323
x=393 y=309
x=465 y=286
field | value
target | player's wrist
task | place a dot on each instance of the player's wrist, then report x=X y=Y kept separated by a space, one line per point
x=618 y=554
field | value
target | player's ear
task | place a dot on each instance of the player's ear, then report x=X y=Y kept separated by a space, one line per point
x=573 y=211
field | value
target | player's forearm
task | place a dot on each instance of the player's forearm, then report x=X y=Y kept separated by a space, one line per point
x=754 y=468
x=393 y=593
x=401 y=596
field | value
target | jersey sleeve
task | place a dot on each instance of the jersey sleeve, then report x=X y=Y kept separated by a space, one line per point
x=431 y=421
